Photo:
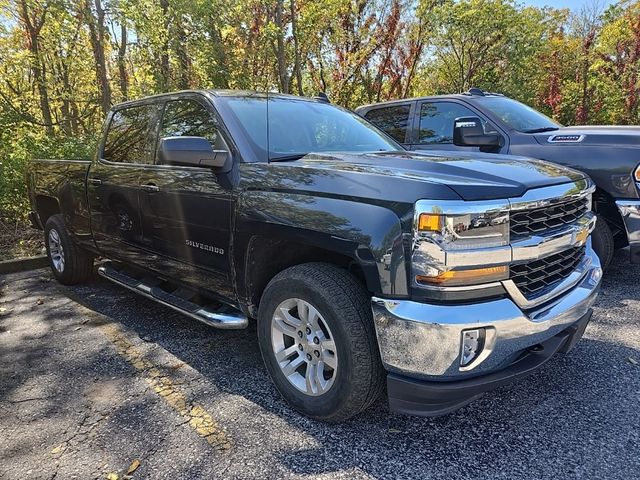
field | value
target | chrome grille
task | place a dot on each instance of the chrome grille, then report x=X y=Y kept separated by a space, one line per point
x=536 y=277
x=539 y=220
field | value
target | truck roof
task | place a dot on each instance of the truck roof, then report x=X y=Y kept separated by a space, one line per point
x=219 y=93
x=472 y=92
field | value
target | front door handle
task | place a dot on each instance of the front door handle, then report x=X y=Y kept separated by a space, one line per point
x=95 y=181
x=150 y=187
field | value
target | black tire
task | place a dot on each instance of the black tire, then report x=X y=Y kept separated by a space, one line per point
x=620 y=240
x=77 y=265
x=345 y=307
x=603 y=243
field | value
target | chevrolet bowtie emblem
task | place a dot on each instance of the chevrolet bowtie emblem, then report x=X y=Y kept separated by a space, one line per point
x=582 y=235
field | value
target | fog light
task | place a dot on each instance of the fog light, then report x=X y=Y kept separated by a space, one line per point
x=596 y=275
x=472 y=344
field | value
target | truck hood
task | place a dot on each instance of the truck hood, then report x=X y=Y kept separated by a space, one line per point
x=406 y=176
x=618 y=136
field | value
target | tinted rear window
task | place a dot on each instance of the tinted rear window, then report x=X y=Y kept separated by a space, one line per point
x=131 y=136
x=393 y=120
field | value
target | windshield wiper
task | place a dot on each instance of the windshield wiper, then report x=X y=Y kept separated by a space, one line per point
x=540 y=130
x=288 y=158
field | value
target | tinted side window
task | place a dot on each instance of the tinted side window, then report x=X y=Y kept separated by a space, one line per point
x=436 y=121
x=131 y=136
x=393 y=120
x=188 y=118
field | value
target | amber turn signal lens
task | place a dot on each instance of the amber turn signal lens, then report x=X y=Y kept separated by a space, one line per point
x=466 y=277
x=637 y=174
x=429 y=222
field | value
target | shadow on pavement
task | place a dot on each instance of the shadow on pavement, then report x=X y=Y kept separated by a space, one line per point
x=574 y=418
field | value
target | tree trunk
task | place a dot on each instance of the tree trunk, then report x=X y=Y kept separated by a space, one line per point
x=122 y=68
x=221 y=78
x=184 y=77
x=97 y=37
x=280 y=51
x=297 y=68
x=164 y=54
x=32 y=29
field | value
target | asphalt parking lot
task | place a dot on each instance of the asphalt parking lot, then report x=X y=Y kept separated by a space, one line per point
x=96 y=382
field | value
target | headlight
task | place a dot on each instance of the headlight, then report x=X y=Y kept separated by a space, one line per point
x=447 y=227
x=471 y=230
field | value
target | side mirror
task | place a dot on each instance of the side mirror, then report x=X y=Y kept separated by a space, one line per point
x=191 y=152
x=469 y=132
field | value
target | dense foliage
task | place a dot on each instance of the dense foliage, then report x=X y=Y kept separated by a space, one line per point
x=63 y=63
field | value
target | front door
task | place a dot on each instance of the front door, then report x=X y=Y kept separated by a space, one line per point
x=113 y=182
x=186 y=212
x=433 y=125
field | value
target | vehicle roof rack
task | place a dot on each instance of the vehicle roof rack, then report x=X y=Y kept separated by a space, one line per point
x=322 y=97
x=478 y=92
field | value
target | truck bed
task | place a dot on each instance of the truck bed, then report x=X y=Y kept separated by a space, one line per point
x=59 y=185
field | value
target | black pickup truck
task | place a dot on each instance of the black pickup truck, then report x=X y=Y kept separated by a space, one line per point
x=491 y=122
x=360 y=261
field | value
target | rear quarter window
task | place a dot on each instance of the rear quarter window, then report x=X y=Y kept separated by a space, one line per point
x=394 y=120
x=131 y=135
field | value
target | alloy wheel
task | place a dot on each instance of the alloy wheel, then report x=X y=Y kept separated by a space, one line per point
x=56 y=251
x=304 y=346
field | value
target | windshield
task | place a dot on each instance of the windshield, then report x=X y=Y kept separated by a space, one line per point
x=519 y=116
x=297 y=127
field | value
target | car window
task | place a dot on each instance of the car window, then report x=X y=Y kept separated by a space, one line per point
x=436 y=121
x=188 y=118
x=278 y=127
x=131 y=135
x=393 y=120
x=517 y=115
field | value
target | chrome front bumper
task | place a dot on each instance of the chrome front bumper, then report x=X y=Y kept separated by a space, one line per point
x=423 y=340
x=630 y=212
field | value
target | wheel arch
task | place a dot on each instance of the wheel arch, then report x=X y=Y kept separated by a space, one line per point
x=46 y=206
x=604 y=206
x=275 y=230
x=268 y=255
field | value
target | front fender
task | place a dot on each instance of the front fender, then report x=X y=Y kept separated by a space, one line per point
x=370 y=234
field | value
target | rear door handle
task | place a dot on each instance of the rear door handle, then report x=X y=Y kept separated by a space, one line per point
x=95 y=181
x=150 y=187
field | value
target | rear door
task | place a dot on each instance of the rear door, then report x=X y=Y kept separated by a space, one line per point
x=393 y=119
x=186 y=212
x=113 y=181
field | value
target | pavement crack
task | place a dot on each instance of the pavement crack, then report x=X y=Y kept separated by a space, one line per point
x=33 y=399
x=55 y=473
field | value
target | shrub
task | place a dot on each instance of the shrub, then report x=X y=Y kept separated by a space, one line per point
x=16 y=149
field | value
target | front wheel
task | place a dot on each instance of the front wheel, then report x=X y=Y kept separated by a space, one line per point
x=69 y=263
x=602 y=242
x=316 y=335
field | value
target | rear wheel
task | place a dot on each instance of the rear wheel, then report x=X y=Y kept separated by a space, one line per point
x=602 y=241
x=316 y=335
x=69 y=263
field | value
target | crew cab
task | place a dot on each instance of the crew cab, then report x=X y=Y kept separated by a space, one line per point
x=360 y=262
x=491 y=122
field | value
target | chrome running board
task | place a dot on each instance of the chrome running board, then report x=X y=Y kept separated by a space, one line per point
x=219 y=316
